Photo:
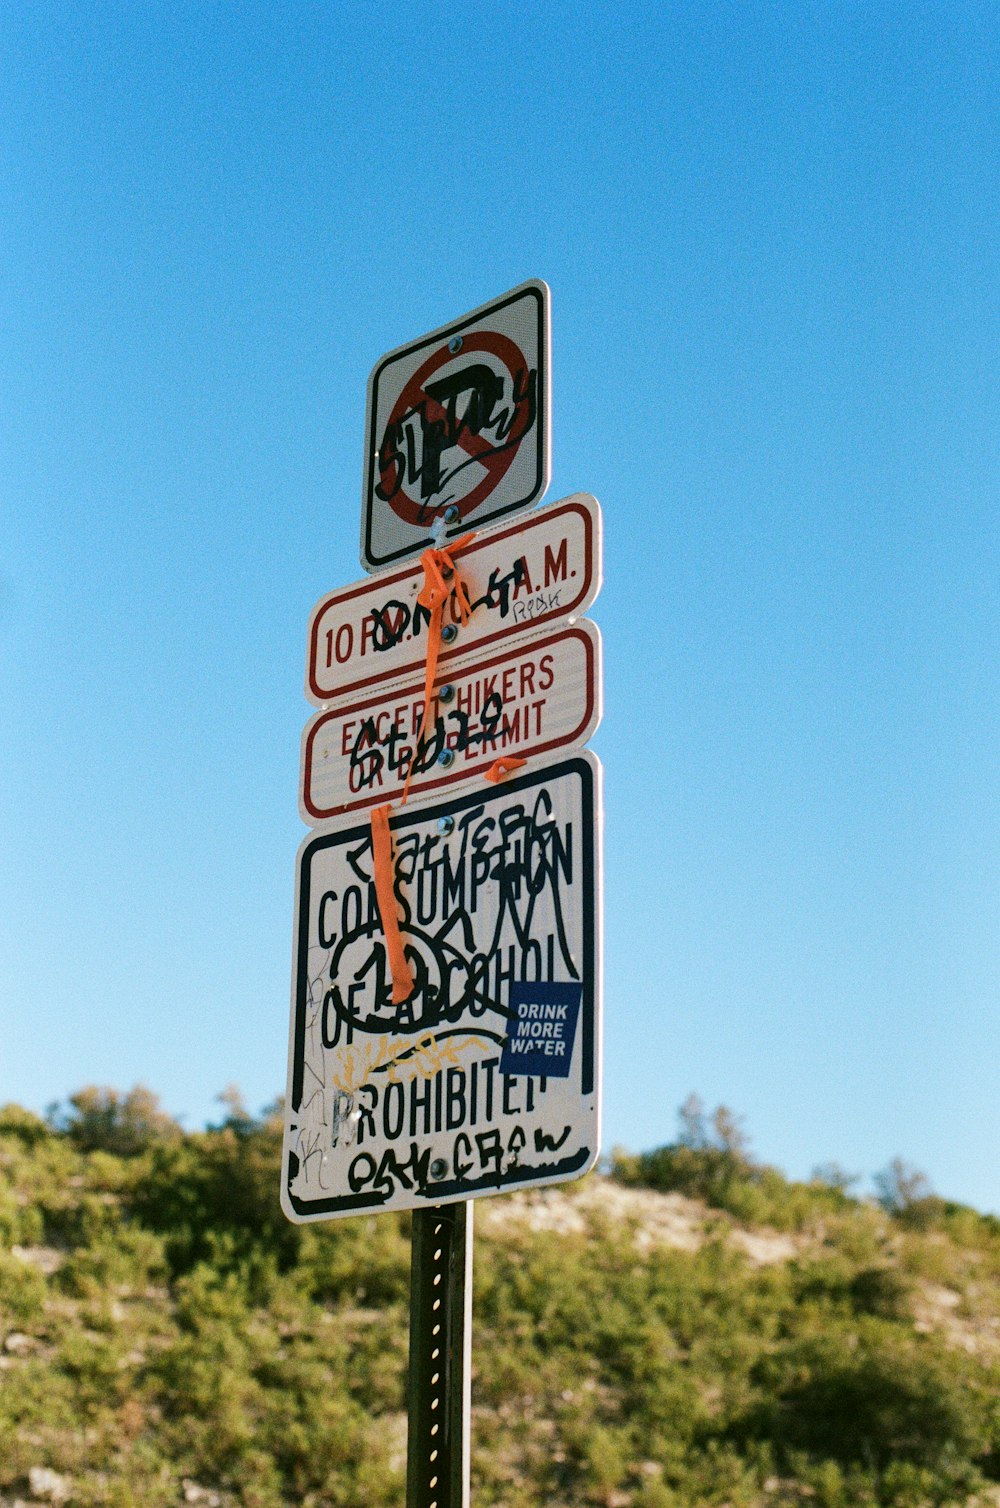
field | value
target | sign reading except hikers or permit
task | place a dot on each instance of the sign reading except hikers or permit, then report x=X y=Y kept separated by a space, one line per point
x=520 y=576
x=541 y=693
x=457 y=428
x=486 y=1077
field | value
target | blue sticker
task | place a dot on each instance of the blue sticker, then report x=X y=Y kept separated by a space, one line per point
x=542 y=1030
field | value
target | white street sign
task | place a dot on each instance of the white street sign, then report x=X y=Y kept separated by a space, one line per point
x=528 y=697
x=488 y=1076
x=520 y=575
x=458 y=419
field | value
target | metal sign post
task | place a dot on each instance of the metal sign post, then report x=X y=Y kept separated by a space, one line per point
x=438 y=1392
x=445 y=1032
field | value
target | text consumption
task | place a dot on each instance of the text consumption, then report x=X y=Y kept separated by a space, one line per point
x=519 y=576
x=458 y=420
x=533 y=697
x=487 y=1075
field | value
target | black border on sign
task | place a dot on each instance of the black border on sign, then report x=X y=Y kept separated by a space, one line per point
x=588 y=1022
x=368 y=558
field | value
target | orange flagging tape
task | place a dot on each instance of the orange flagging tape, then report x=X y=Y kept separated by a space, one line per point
x=441 y=581
x=505 y=765
x=402 y=979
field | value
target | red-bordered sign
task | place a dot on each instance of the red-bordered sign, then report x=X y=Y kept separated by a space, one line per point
x=458 y=427
x=524 y=700
x=519 y=576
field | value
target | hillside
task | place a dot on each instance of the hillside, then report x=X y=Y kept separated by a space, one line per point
x=690 y=1330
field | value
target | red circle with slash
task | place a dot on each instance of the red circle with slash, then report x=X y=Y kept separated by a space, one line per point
x=496 y=462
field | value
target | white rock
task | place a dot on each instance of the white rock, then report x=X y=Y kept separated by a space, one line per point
x=47 y=1485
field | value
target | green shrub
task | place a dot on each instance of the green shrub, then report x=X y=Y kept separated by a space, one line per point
x=214 y=1194
x=183 y=1331
x=125 y=1124
x=23 y=1124
x=871 y=1397
x=711 y=1161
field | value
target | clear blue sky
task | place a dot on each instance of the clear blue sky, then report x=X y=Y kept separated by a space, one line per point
x=771 y=234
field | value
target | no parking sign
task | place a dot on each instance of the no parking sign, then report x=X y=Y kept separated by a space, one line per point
x=458 y=427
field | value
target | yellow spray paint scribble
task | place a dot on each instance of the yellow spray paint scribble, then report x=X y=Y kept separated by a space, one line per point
x=423 y=1059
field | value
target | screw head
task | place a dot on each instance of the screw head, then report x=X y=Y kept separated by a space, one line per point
x=451 y=514
x=446 y=757
x=455 y=344
x=446 y=825
x=446 y=694
x=449 y=633
x=438 y=1167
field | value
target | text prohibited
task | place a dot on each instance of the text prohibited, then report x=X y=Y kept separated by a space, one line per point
x=487 y=1076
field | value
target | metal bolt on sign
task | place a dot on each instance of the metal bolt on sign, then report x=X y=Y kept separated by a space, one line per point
x=439 y=1384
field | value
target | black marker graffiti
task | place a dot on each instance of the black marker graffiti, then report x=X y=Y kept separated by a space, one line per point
x=534 y=607
x=372 y=756
x=546 y=1143
x=420 y=1083
x=413 y=447
x=521 y=859
x=394 y=619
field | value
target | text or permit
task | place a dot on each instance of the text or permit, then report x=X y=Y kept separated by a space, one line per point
x=520 y=576
x=537 y=695
x=459 y=421
x=394 y=1106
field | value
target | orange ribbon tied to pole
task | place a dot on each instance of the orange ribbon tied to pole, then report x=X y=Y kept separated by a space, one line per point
x=384 y=871
x=505 y=765
x=441 y=583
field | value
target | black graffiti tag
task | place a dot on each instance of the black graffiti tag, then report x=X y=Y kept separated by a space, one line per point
x=393 y=620
x=413 y=447
x=371 y=755
x=514 y=864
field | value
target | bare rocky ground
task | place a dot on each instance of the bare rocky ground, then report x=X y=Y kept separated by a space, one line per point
x=962 y=1317
x=653 y=1219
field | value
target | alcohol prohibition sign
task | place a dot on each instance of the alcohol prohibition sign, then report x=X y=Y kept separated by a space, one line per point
x=488 y=1076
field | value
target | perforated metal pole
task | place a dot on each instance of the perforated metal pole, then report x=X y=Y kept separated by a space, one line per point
x=437 y=1473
